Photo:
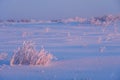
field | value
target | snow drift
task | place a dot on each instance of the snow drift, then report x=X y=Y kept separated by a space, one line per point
x=27 y=55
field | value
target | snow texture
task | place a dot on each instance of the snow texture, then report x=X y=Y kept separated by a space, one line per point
x=27 y=55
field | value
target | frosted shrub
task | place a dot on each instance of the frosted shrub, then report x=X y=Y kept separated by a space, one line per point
x=27 y=55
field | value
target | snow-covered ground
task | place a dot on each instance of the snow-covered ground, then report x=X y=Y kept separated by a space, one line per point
x=82 y=51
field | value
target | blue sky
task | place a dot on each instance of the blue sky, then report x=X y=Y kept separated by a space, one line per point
x=55 y=9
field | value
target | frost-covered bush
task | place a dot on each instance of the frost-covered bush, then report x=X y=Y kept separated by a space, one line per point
x=27 y=55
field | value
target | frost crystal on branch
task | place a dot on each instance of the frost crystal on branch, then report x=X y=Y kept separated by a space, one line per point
x=27 y=55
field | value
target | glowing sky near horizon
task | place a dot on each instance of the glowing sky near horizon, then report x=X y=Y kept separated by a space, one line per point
x=54 y=9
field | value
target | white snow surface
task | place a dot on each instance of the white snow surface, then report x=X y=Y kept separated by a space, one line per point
x=82 y=51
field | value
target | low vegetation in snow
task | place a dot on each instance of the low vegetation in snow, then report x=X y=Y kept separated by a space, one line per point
x=3 y=56
x=28 y=55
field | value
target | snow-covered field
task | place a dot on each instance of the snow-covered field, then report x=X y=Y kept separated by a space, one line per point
x=82 y=51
